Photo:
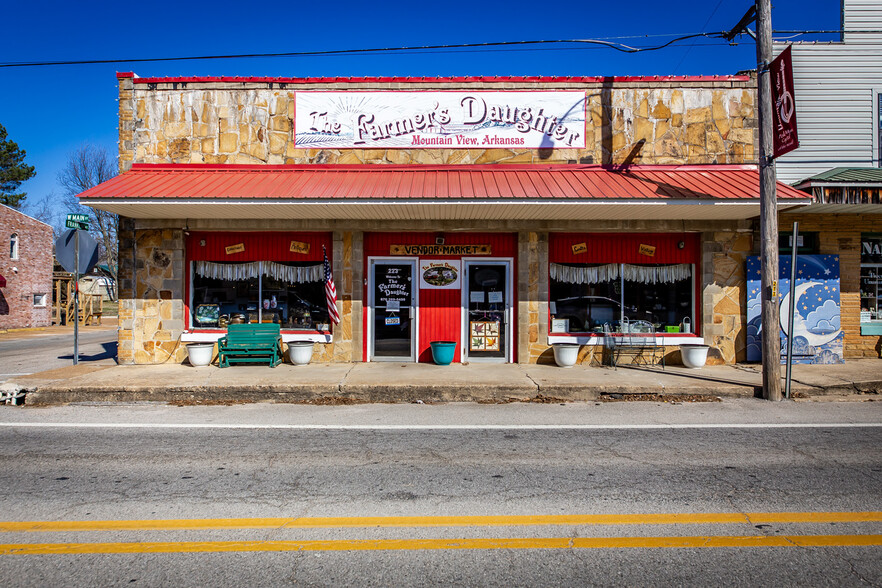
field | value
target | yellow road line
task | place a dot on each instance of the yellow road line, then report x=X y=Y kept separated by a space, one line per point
x=445 y=521
x=434 y=544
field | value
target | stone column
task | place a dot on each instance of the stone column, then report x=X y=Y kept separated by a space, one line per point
x=358 y=277
x=723 y=307
x=126 y=290
x=158 y=305
x=532 y=308
x=347 y=253
x=126 y=123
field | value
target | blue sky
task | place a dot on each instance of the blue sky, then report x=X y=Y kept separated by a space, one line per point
x=50 y=111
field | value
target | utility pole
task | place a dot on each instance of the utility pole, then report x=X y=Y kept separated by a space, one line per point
x=771 y=352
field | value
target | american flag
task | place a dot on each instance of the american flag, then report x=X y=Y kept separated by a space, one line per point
x=330 y=291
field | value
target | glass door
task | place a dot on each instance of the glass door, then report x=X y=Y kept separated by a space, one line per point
x=487 y=297
x=393 y=310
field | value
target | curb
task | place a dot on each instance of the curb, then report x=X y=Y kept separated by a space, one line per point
x=49 y=395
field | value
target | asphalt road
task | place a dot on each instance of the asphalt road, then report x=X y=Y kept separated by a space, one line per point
x=270 y=495
x=29 y=353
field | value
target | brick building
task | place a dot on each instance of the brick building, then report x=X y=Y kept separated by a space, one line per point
x=505 y=214
x=26 y=259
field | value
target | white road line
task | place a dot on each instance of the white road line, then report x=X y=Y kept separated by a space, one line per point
x=479 y=427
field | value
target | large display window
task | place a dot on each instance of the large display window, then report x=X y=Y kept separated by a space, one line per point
x=616 y=283
x=258 y=278
x=871 y=279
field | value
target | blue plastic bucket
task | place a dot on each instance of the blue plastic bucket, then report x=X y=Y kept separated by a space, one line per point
x=442 y=351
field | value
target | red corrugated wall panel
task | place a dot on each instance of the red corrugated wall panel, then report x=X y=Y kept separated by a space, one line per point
x=624 y=247
x=259 y=246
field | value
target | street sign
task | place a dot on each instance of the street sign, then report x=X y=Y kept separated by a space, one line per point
x=65 y=251
x=77 y=221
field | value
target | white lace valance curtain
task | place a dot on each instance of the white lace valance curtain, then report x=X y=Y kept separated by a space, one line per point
x=244 y=271
x=653 y=274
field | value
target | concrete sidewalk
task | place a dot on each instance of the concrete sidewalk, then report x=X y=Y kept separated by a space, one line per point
x=407 y=382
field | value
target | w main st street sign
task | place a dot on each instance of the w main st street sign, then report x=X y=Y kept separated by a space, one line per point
x=77 y=221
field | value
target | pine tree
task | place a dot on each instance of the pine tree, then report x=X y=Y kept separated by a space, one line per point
x=13 y=171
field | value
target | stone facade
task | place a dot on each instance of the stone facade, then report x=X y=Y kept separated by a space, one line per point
x=28 y=274
x=250 y=122
x=725 y=294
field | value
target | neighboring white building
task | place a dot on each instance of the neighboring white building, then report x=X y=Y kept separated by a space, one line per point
x=838 y=93
x=838 y=89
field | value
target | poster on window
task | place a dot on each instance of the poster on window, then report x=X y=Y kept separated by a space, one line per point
x=816 y=330
x=440 y=274
x=484 y=336
x=440 y=120
x=392 y=286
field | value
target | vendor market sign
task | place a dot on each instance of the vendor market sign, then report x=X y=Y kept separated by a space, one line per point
x=439 y=250
x=439 y=120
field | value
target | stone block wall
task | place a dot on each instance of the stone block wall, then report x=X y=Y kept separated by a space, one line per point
x=28 y=274
x=151 y=302
x=251 y=123
x=840 y=234
x=532 y=309
x=724 y=306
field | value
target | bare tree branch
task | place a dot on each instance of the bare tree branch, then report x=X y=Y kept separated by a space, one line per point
x=87 y=167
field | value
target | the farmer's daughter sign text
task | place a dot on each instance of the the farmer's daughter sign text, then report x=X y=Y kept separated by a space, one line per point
x=443 y=120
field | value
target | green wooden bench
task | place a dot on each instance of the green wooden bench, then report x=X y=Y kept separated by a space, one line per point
x=250 y=343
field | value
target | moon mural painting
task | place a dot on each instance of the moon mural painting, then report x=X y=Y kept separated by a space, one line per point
x=816 y=330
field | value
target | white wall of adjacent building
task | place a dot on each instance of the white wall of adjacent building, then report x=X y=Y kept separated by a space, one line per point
x=837 y=87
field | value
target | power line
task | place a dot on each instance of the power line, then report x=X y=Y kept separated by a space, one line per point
x=612 y=45
x=707 y=22
x=605 y=42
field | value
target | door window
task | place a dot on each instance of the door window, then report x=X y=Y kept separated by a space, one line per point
x=487 y=310
x=393 y=314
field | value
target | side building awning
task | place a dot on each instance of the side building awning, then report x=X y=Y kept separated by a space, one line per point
x=2 y=281
x=455 y=192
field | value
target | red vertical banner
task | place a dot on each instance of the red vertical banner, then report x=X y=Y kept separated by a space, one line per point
x=784 y=107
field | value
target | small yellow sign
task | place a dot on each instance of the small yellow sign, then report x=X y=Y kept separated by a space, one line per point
x=580 y=248
x=237 y=248
x=647 y=250
x=299 y=247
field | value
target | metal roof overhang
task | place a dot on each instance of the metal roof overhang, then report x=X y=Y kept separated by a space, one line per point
x=834 y=208
x=449 y=192
x=434 y=210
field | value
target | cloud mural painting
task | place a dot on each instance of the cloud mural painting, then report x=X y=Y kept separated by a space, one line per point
x=816 y=330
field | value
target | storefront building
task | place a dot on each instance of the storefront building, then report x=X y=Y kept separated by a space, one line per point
x=502 y=214
x=837 y=91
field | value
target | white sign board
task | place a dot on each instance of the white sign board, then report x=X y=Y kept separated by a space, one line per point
x=440 y=274
x=440 y=120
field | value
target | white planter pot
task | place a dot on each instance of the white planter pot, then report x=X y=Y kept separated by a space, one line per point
x=200 y=354
x=694 y=356
x=565 y=354
x=300 y=352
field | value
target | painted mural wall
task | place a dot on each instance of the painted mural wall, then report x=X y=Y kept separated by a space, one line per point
x=816 y=330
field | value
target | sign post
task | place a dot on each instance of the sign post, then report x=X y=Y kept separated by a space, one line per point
x=76 y=358
x=67 y=251
x=78 y=222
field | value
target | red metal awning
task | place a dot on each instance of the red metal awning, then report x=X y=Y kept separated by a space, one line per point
x=2 y=282
x=502 y=191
